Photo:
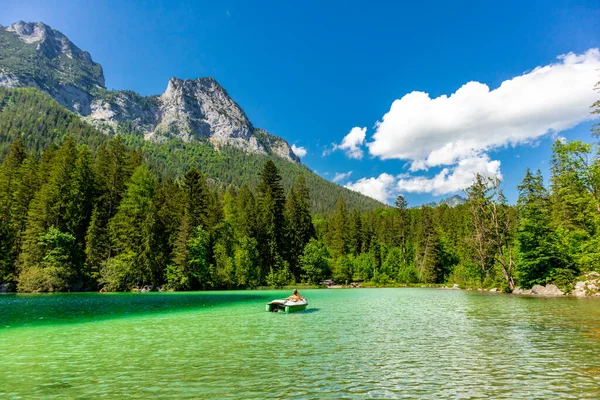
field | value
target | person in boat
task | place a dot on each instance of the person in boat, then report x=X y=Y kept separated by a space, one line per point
x=296 y=296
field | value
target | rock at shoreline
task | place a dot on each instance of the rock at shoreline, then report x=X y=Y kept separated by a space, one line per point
x=548 y=290
x=518 y=290
x=6 y=287
x=589 y=287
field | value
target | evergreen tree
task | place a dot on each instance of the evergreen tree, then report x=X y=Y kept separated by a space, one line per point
x=79 y=204
x=113 y=166
x=272 y=224
x=246 y=219
x=338 y=230
x=196 y=204
x=24 y=191
x=10 y=175
x=56 y=270
x=538 y=243
x=132 y=233
x=355 y=235
x=300 y=226
x=401 y=206
x=428 y=258
x=49 y=208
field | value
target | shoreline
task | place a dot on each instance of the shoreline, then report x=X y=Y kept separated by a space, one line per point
x=589 y=288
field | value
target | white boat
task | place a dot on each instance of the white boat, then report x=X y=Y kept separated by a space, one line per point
x=288 y=306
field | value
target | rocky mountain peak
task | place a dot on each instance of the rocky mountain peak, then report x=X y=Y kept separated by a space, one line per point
x=201 y=107
x=52 y=44
x=34 y=54
x=29 y=32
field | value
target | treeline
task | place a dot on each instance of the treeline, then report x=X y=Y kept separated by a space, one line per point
x=76 y=219
x=551 y=236
x=94 y=213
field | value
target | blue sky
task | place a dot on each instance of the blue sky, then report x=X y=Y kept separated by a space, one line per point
x=311 y=72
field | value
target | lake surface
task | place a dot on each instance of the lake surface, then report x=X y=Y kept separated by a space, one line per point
x=361 y=343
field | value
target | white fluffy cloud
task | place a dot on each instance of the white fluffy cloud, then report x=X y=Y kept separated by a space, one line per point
x=379 y=188
x=299 y=150
x=444 y=130
x=450 y=180
x=352 y=142
x=340 y=176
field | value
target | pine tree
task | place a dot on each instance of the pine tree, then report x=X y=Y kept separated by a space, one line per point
x=24 y=191
x=338 y=230
x=428 y=263
x=79 y=204
x=246 y=221
x=132 y=234
x=48 y=208
x=196 y=203
x=272 y=224
x=300 y=226
x=401 y=206
x=538 y=242
x=113 y=167
x=230 y=207
x=10 y=176
x=355 y=235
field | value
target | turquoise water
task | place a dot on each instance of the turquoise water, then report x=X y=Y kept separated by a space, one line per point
x=361 y=343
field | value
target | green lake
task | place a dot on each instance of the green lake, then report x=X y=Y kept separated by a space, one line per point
x=358 y=343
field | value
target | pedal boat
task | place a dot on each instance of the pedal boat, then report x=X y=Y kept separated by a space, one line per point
x=287 y=306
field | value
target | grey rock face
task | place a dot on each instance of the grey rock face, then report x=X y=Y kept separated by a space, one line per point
x=33 y=54
x=201 y=108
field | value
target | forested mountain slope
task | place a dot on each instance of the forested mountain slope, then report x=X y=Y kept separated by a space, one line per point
x=41 y=122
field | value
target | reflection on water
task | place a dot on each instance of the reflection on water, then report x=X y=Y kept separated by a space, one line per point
x=385 y=343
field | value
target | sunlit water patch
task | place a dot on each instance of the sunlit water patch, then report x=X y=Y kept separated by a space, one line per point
x=383 y=343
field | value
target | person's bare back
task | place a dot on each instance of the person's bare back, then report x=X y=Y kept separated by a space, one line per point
x=296 y=296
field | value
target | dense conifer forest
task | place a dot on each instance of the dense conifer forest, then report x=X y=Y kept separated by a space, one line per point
x=81 y=211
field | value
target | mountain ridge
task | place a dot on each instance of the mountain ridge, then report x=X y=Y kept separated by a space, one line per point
x=190 y=110
x=193 y=123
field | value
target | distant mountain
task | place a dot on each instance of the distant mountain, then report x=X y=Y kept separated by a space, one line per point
x=194 y=123
x=453 y=201
x=33 y=54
